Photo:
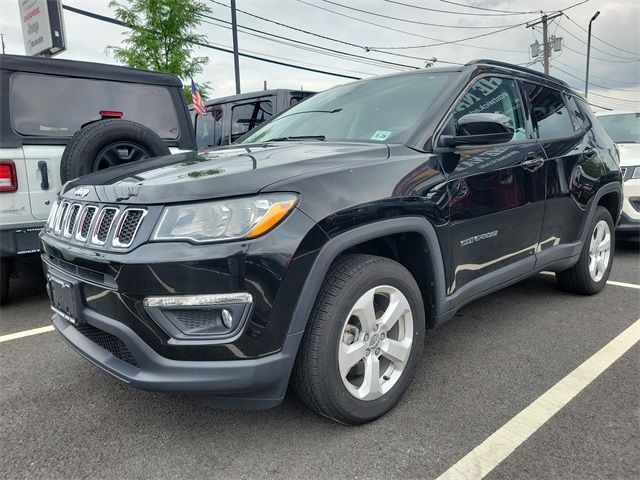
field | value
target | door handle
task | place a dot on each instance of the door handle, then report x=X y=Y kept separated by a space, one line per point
x=42 y=166
x=533 y=163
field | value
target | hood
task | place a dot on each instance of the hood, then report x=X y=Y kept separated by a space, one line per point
x=629 y=154
x=218 y=172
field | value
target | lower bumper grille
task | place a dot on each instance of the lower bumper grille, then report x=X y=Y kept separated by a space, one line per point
x=109 y=342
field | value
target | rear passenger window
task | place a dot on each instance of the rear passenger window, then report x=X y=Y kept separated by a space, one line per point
x=248 y=116
x=550 y=115
x=56 y=106
x=579 y=119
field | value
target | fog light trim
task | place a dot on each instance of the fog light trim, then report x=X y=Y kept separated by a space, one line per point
x=198 y=300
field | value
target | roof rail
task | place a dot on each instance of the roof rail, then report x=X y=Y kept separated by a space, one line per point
x=485 y=61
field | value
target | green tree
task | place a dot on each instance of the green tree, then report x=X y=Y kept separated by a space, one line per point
x=161 y=37
x=430 y=62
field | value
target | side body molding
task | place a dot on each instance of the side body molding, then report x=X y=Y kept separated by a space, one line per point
x=336 y=245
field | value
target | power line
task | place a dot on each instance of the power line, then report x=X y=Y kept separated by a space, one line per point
x=595 y=48
x=594 y=84
x=207 y=45
x=306 y=48
x=606 y=43
x=599 y=106
x=289 y=59
x=593 y=57
x=372 y=61
x=451 y=11
x=596 y=76
x=386 y=27
x=344 y=42
x=415 y=22
x=486 y=9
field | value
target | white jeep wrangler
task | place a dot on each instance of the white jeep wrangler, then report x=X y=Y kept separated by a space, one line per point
x=60 y=119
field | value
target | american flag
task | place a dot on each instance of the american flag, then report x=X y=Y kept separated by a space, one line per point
x=198 y=104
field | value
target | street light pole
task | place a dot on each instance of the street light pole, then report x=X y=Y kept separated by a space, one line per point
x=586 y=80
x=234 y=30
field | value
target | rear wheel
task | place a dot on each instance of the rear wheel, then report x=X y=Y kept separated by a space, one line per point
x=363 y=341
x=591 y=273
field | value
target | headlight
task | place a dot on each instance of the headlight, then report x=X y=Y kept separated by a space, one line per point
x=221 y=220
x=635 y=173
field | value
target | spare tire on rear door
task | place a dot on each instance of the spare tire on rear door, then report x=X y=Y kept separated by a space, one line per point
x=108 y=143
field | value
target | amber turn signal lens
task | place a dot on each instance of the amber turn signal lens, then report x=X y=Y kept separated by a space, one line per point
x=274 y=215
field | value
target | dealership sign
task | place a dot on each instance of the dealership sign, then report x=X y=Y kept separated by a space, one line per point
x=42 y=27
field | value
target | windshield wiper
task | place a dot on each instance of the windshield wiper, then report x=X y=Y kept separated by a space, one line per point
x=297 y=137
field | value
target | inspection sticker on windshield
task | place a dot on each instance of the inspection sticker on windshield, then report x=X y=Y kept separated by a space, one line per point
x=381 y=135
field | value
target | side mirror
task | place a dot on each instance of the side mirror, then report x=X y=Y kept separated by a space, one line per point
x=480 y=129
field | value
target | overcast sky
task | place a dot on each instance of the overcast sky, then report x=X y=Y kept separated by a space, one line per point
x=615 y=67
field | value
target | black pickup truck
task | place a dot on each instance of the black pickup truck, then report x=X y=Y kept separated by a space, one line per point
x=318 y=249
x=229 y=118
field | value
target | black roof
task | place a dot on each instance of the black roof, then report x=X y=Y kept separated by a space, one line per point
x=74 y=68
x=518 y=68
x=249 y=95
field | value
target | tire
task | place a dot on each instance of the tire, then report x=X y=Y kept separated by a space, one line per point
x=580 y=278
x=5 y=279
x=108 y=143
x=317 y=377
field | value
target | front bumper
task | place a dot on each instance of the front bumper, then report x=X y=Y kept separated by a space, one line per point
x=117 y=350
x=630 y=215
x=119 y=333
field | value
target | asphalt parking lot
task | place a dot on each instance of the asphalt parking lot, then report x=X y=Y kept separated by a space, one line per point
x=62 y=418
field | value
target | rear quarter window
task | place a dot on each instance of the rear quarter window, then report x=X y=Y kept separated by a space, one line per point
x=550 y=115
x=56 y=106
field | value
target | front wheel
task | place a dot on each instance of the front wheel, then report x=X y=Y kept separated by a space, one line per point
x=363 y=341
x=591 y=273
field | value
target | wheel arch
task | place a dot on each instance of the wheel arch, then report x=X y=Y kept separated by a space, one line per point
x=611 y=201
x=383 y=238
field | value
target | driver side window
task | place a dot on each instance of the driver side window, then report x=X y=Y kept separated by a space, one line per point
x=490 y=95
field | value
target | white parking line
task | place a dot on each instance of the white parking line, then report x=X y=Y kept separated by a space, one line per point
x=497 y=447
x=622 y=284
x=609 y=282
x=25 y=333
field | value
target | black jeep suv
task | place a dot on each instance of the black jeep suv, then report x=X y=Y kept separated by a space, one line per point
x=318 y=248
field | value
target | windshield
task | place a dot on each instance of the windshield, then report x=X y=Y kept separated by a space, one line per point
x=622 y=127
x=380 y=110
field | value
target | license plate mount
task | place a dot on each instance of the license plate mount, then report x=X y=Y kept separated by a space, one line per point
x=63 y=295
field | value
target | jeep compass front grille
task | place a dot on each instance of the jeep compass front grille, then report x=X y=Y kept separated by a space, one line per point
x=71 y=221
x=95 y=225
x=105 y=222
x=87 y=217
x=128 y=226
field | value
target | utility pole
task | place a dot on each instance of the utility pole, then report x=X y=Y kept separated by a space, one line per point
x=2 y=37
x=544 y=20
x=586 y=80
x=236 y=59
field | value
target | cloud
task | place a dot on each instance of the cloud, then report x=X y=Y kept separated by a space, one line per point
x=617 y=25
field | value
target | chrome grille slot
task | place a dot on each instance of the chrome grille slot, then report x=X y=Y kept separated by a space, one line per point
x=61 y=217
x=53 y=214
x=85 y=222
x=72 y=216
x=103 y=225
x=128 y=227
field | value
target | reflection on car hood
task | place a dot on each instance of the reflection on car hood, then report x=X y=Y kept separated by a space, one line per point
x=220 y=172
x=629 y=154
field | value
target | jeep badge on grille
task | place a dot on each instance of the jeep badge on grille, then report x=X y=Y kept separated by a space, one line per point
x=81 y=191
